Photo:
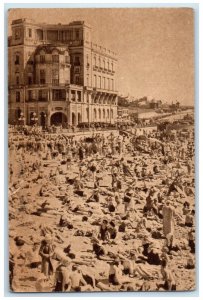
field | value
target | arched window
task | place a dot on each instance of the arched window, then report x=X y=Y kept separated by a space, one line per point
x=107 y=113
x=95 y=114
x=42 y=56
x=104 y=83
x=55 y=58
x=17 y=80
x=104 y=114
x=42 y=76
x=17 y=59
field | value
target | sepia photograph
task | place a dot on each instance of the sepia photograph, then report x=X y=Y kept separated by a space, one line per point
x=101 y=150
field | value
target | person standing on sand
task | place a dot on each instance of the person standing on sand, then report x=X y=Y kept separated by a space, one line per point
x=46 y=252
x=168 y=222
x=169 y=280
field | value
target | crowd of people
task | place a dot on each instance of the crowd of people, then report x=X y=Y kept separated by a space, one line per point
x=112 y=211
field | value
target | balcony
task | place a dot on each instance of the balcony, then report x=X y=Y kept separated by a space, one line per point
x=59 y=99
x=43 y=99
x=77 y=64
x=31 y=100
x=75 y=43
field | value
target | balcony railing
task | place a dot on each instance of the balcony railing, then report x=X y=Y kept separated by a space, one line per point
x=59 y=99
x=43 y=99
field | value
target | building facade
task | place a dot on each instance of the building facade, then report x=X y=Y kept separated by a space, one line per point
x=56 y=73
x=123 y=114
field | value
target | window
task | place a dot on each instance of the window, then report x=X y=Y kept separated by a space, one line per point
x=59 y=95
x=100 y=82
x=77 y=61
x=30 y=32
x=95 y=61
x=55 y=76
x=88 y=61
x=112 y=67
x=55 y=81
x=17 y=34
x=31 y=95
x=67 y=35
x=112 y=113
x=43 y=95
x=87 y=80
x=18 y=112
x=17 y=96
x=42 y=58
x=108 y=65
x=95 y=80
x=55 y=58
x=77 y=34
x=39 y=34
x=17 y=80
x=99 y=62
x=29 y=80
x=77 y=79
x=77 y=69
x=17 y=59
x=55 y=73
x=104 y=64
x=42 y=76
x=104 y=114
x=79 y=96
x=72 y=95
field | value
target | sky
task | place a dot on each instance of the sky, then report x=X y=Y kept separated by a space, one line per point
x=155 y=47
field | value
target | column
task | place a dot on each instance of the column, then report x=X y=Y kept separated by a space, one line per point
x=69 y=106
x=70 y=114
x=48 y=118
x=69 y=94
x=90 y=107
x=88 y=103
x=50 y=95
x=76 y=113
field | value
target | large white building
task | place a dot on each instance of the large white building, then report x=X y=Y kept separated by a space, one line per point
x=58 y=74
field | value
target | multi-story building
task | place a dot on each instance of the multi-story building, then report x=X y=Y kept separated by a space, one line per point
x=58 y=74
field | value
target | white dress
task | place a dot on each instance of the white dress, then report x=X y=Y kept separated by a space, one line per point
x=168 y=220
